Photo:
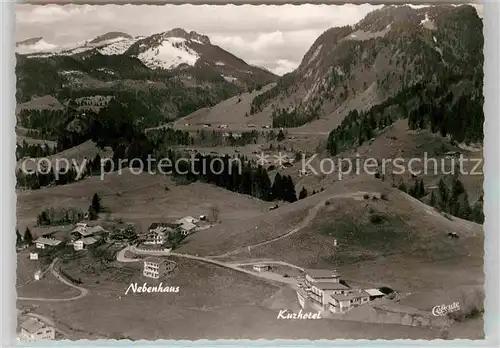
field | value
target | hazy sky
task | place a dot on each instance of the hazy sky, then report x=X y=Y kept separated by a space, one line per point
x=274 y=37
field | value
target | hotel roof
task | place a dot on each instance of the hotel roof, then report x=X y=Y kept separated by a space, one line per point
x=329 y=286
x=48 y=241
x=153 y=259
x=322 y=273
x=32 y=325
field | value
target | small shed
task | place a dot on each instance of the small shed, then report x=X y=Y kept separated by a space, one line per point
x=33 y=256
x=261 y=268
x=38 y=275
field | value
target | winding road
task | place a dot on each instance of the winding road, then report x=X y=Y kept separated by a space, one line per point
x=313 y=212
x=237 y=265
x=83 y=291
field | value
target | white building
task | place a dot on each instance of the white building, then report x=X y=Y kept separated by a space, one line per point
x=341 y=303
x=33 y=256
x=157 y=233
x=261 y=268
x=34 y=330
x=156 y=267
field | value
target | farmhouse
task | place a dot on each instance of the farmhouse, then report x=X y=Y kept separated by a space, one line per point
x=340 y=303
x=155 y=267
x=261 y=268
x=84 y=243
x=34 y=329
x=157 y=233
x=43 y=242
x=187 y=228
x=85 y=231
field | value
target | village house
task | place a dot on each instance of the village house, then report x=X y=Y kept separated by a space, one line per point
x=82 y=230
x=261 y=268
x=341 y=303
x=38 y=275
x=187 y=225
x=33 y=256
x=157 y=233
x=155 y=267
x=84 y=243
x=44 y=242
x=187 y=228
x=34 y=329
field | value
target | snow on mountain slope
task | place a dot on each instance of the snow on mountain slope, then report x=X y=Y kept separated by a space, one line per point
x=117 y=46
x=168 y=54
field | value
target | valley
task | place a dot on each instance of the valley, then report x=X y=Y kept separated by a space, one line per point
x=247 y=222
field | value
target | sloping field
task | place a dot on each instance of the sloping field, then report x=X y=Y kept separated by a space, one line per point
x=141 y=199
x=230 y=111
x=75 y=154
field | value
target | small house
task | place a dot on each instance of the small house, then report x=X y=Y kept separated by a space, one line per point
x=84 y=243
x=156 y=268
x=43 y=242
x=38 y=275
x=33 y=256
x=157 y=233
x=187 y=228
x=34 y=329
x=374 y=293
x=261 y=268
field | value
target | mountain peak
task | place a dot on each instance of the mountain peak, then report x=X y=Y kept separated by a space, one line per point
x=192 y=36
x=110 y=36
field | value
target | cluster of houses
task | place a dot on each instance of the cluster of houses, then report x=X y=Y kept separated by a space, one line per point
x=158 y=232
x=34 y=329
x=324 y=291
x=82 y=236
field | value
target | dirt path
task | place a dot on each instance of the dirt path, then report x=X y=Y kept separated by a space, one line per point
x=311 y=215
x=83 y=291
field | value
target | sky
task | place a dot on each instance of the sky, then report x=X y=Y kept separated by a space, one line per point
x=273 y=37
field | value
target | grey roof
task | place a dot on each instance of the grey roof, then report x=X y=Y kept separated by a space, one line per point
x=48 y=241
x=153 y=259
x=374 y=292
x=329 y=286
x=32 y=325
x=188 y=226
x=89 y=240
x=322 y=273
